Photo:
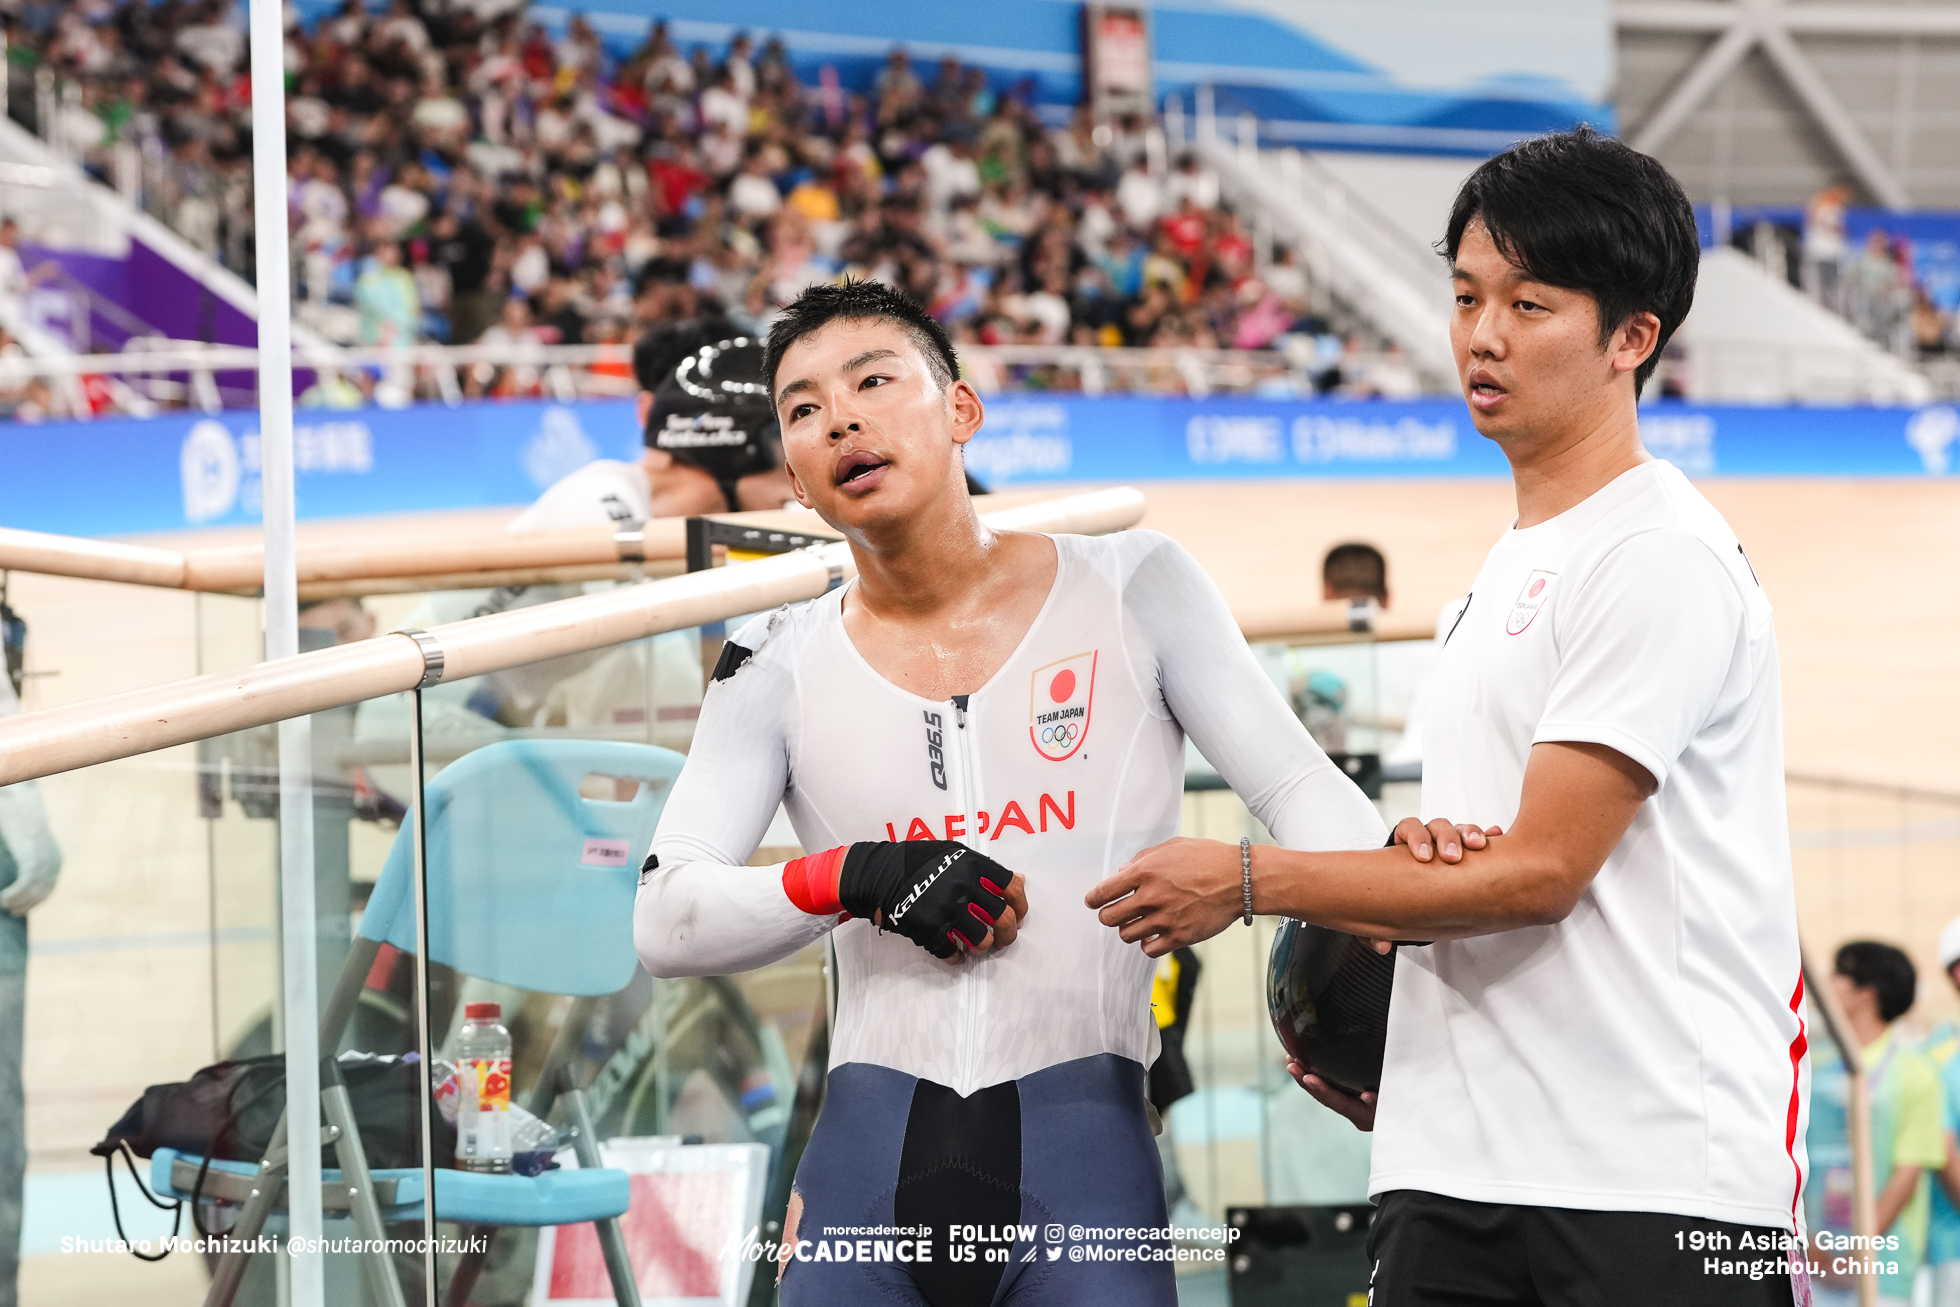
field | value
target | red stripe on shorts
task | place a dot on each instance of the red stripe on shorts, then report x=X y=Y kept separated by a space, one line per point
x=1798 y=1046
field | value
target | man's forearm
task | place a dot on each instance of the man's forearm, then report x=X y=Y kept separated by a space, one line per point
x=1387 y=894
x=1578 y=801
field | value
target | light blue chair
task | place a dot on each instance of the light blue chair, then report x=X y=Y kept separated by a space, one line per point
x=530 y=884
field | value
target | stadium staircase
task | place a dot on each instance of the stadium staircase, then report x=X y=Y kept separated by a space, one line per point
x=1751 y=339
x=1376 y=273
x=122 y=281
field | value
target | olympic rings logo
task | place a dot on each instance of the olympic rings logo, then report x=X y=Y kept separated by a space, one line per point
x=1062 y=734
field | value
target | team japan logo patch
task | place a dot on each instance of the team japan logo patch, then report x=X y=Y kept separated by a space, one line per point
x=1058 y=709
x=1537 y=589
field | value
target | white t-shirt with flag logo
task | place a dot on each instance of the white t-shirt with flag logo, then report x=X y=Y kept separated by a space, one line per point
x=1065 y=764
x=1646 y=1053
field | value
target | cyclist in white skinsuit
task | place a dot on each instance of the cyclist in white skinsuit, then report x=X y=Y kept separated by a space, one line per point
x=1068 y=761
x=979 y=727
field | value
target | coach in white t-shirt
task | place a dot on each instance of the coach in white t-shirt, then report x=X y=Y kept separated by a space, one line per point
x=1595 y=1086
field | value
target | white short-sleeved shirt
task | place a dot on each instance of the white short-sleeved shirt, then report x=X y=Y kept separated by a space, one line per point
x=1644 y=1054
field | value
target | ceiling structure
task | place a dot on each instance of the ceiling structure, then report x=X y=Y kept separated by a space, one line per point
x=1768 y=101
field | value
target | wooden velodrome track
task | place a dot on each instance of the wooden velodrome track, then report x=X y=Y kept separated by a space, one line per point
x=1855 y=569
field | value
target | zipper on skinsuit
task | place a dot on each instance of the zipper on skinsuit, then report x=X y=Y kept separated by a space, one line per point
x=969 y=1019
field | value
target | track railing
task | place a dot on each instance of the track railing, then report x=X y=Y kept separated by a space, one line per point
x=139 y=721
x=184 y=375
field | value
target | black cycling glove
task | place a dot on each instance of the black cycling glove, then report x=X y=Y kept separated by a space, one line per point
x=937 y=893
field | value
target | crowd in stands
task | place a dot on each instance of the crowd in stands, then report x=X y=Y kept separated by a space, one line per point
x=462 y=175
x=1912 y=1080
x=1876 y=284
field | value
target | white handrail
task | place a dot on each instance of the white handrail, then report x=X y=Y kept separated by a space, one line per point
x=235 y=568
x=1710 y=369
x=140 y=721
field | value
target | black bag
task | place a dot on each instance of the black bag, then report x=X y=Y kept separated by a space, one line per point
x=228 y=1111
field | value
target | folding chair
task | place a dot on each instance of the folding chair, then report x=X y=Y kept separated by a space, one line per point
x=530 y=884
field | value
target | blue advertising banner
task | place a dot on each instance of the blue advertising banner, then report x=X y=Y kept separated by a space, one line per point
x=1032 y=439
x=127 y=476
x=166 y=473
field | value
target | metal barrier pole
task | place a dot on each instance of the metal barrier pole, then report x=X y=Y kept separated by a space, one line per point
x=298 y=927
x=424 y=1034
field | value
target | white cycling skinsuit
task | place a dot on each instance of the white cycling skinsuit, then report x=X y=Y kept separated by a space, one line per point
x=1068 y=762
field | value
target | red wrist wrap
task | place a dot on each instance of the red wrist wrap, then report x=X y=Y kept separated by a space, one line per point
x=811 y=882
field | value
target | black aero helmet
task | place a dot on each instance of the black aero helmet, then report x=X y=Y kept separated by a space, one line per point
x=712 y=410
x=1328 y=995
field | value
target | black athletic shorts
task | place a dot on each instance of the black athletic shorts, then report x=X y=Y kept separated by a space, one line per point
x=1426 y=1250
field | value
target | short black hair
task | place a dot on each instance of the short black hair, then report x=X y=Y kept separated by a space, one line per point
x=1869 y=964
x=861 y=301
x=1356 y=570
x=1587 y=212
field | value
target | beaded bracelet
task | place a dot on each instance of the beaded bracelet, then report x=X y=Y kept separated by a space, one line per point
x=1245 y=873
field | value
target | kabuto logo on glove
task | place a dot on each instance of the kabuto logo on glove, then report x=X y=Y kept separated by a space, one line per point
x=942 y=896
x=919 y=889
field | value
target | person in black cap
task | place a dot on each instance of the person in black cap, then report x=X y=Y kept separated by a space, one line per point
x=712 y=440
x=710 y=448
x=712 y=443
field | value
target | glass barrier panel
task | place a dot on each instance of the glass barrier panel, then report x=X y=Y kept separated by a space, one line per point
x=238 y=800
x=545 y=782
x=110 y=983
x=157 y=963
x=1878 y=862
x=120 y=993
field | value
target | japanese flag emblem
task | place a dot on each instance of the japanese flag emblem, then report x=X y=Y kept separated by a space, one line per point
x=1058 y=705
x=1537 y=589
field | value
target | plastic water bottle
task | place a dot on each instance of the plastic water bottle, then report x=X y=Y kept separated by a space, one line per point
x=483 y=1116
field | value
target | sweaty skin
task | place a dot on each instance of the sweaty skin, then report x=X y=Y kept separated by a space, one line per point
x=1027 y=696
x=941 y=601
x=942 y=604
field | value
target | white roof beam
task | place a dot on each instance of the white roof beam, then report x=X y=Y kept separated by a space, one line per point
x=1833 y=118
x=1687 y=96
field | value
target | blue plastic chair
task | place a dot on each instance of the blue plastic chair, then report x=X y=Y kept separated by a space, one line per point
x=520 y=890
x=530 y=884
